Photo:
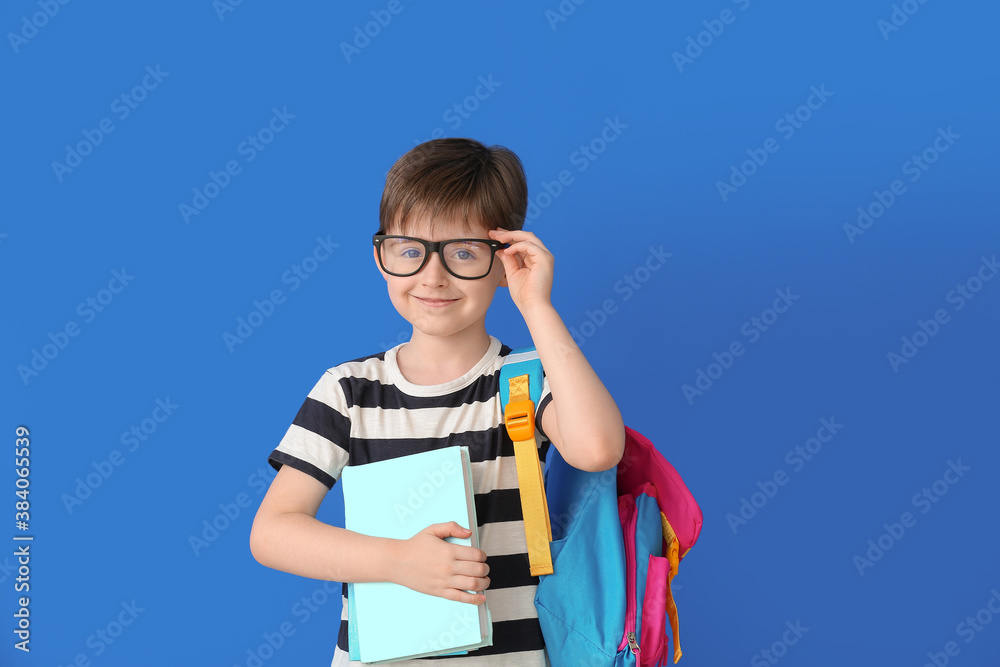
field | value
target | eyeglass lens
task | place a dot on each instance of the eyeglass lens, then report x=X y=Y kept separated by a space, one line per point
x=404 y=256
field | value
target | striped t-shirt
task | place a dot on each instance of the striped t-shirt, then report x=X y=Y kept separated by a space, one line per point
x=364 y=411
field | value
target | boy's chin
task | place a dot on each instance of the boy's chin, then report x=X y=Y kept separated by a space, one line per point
x=431 y=329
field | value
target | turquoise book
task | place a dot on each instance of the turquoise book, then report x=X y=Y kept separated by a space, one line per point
x=397 y=498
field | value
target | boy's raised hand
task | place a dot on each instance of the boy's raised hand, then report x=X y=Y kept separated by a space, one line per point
x=529 y=268
x=429 y=564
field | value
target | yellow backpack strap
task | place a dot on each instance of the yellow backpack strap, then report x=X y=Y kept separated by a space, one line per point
x=519 y=418
x=673 y=547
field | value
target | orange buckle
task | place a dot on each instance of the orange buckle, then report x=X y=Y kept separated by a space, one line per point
x=519 y=418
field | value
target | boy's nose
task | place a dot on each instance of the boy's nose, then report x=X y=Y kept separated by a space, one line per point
x=434 y=271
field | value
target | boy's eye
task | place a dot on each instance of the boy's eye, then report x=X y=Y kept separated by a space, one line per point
x=405 y=249
x=465 y=251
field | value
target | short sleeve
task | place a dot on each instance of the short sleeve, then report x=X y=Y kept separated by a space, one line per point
x=543 y=403
x=317 y=442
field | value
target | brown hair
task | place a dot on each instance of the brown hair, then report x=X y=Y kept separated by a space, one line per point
x=455 y=180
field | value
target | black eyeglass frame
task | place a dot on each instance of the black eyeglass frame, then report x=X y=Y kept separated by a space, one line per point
x=434 y=246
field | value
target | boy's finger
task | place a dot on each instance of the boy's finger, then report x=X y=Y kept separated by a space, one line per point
x=462 y=596
x=470 y=554
x=470 y=567
x=528 y=254
x=510 y=263
x=528 y=247
x=518 y=235
x=472 y=583
x=450 y=529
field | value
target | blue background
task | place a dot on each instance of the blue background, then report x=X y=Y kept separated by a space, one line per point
x=683 y=125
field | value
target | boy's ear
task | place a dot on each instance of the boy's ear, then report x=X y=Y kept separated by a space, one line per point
x=375 y=257
x=503 y=274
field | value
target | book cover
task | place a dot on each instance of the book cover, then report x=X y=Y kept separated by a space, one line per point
x=398 y=498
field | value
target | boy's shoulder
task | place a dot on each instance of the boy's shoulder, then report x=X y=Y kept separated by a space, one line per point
x=370 y=358
x=358 y=365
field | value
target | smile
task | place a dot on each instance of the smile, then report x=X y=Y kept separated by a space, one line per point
x=435 y=303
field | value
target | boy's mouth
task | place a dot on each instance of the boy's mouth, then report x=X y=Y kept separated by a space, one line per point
x=435 y=302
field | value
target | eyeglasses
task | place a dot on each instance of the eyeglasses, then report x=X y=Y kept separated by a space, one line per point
x=468 y=259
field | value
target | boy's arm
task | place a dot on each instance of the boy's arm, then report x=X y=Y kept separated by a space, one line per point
x=582 y=420
x=287 y=536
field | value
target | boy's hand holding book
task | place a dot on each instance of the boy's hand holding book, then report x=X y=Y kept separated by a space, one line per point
x=430 y=564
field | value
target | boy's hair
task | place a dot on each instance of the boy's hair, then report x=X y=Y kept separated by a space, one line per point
x=455 y=180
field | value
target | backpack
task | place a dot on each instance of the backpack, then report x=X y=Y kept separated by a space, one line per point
x=617 y=538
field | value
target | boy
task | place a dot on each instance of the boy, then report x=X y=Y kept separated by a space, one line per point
x=442 y=389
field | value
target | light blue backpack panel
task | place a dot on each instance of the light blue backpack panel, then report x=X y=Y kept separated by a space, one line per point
x=581 y=606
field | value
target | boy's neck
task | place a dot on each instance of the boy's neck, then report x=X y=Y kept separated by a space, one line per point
x=429 y=360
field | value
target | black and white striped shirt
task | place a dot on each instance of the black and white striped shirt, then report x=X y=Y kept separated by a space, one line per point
x=364 y=411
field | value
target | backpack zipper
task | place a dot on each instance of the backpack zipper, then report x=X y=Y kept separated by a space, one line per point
x=628 y=516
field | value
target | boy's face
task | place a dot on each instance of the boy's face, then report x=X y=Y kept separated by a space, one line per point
x=435 y=302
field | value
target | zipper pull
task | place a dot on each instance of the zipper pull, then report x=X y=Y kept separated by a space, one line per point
x=633 y=645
